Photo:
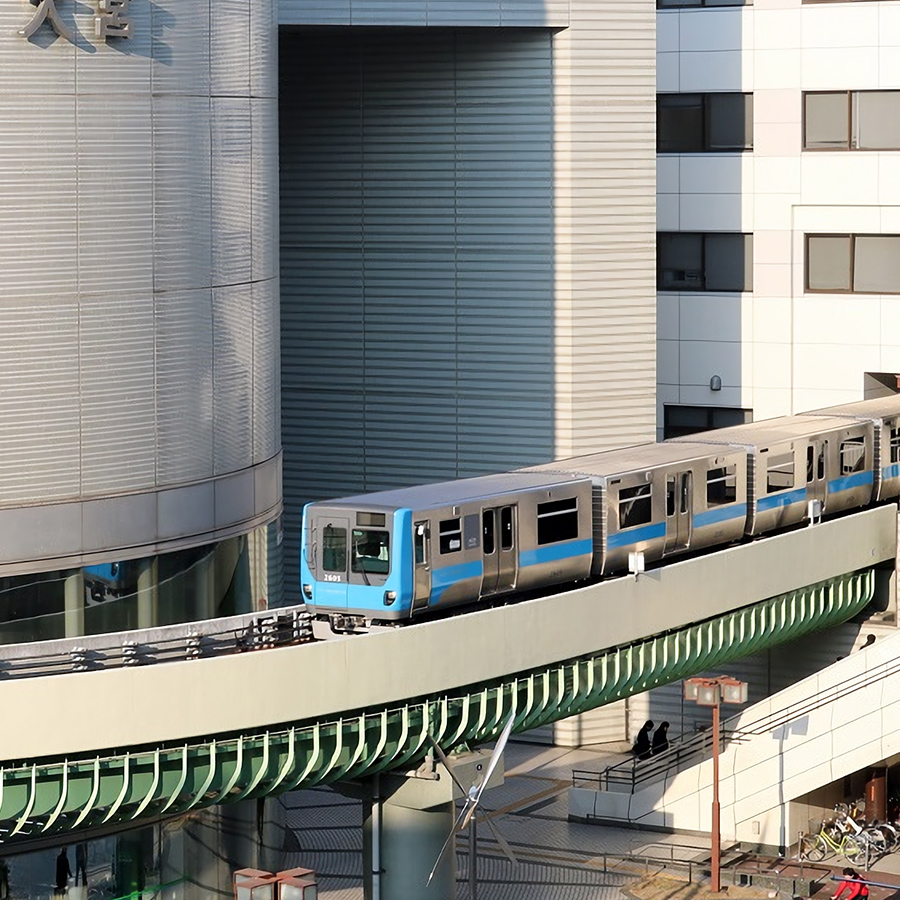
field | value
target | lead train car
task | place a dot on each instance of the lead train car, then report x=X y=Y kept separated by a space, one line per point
x=388 y=556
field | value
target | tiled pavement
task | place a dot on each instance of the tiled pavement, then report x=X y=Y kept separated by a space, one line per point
x=558 y=860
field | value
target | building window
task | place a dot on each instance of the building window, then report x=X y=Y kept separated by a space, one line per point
x=853 y=263
x=704 y=123
x=851 y=120
x=680 y=421
x=691 y=4
x=716 y=261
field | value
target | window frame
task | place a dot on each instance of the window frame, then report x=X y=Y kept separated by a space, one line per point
x=844 y=291
x=703 y=235
x=705 y=107
x=851 y=100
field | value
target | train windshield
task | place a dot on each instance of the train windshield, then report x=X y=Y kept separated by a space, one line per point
x=371 y=551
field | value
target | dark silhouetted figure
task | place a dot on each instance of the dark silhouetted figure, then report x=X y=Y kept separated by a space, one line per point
x=63 y=872
x=642 y=748
x=81 y=863
x=661 y=739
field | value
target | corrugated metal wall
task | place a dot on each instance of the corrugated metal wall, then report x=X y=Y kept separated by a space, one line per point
x=417 y=257
x=468 y=227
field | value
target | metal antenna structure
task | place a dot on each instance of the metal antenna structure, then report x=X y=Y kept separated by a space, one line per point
x=467 y=816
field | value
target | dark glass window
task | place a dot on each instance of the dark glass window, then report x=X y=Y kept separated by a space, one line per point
x=487 y=531
x=557 y=520
x=721 y=486
x=851 y=120
x=895 y=443
x=712 y=261
x=853 y=455
x=853 y=263
x=450 y=535
x=679 y=421
x=371 y=551
x=704 y=123
x=635 y=506
x=506 y=528
x=685 y=4
x=334 y=549
x=779 y=472
x=420 y=535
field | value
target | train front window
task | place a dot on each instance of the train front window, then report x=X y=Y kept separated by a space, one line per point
x=371 y=552
x=334 y=549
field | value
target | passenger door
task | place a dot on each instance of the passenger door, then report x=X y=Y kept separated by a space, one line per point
x=679 y=510
x=331 y=533
x=422 y=556
x=816 y=483
x=498 y=549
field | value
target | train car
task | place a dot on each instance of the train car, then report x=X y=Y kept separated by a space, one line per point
x=884 y=414
x=391 y=555
x=800 y=467
x=107 y=581
x=661 y=499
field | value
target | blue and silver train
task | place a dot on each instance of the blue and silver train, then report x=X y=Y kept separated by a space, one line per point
x=394 y=556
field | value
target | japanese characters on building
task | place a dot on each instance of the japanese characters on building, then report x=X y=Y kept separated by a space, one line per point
x=110 y=21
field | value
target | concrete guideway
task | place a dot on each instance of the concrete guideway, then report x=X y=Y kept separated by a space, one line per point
x=596 y=644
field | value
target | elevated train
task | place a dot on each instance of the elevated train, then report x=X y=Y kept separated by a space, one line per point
x=394 y=556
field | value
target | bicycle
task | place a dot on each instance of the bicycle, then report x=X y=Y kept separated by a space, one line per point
x=829 y=839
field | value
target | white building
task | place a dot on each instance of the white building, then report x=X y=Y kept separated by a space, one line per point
x=778 y=207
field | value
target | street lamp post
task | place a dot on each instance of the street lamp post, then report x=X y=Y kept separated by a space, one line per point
x=713 y=692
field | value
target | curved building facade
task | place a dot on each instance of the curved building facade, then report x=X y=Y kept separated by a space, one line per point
x=139 y=333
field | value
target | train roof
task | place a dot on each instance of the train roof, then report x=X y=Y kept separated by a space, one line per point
x=876 y=408
x=628 y=459
x=784 y=428
x=446 y=493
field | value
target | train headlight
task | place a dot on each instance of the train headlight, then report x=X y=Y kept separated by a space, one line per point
x=389 y=597
x=307 y=591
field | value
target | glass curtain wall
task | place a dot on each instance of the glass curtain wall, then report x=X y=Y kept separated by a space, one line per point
x=222 y=579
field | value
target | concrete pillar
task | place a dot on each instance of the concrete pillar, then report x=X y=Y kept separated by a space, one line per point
x=876 y=794
x=148 y=593
x=409 y=843
x=74 y=615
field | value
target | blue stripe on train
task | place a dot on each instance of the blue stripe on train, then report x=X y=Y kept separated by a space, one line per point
x=554 y=552
x=857 y=479
x=785 y=498
x=891 y=471
x=721 y=514
x=636 y=535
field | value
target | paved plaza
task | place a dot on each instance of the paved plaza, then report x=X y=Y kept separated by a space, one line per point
x=558 y=859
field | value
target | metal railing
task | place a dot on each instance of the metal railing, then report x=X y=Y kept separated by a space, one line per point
x=170 y=643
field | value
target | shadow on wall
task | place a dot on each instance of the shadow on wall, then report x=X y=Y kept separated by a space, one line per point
x=417 y=272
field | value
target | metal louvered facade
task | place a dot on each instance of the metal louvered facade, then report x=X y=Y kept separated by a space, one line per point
x=467 y=239
x=139 y=339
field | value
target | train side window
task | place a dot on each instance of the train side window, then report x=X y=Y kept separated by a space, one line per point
x=635 y=507
x=895 y=443
x=557 y=520
x=853 y=455
x=721 y=486
x=506 y=528
x=450 y=535
x=334 y=549
x=779 y=472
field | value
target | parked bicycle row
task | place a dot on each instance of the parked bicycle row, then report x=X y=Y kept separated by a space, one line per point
x=850 y=836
